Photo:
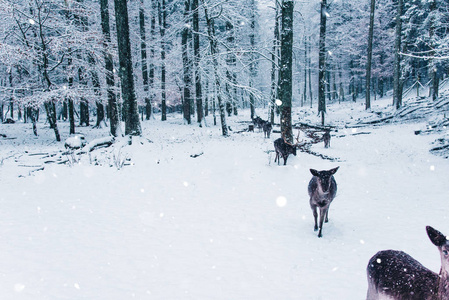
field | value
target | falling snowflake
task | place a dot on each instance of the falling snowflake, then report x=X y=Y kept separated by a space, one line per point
x=281 y=201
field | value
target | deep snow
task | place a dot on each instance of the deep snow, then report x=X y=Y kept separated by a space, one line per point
x=228 y=224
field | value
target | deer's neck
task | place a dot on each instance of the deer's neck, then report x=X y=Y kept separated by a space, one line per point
x=443 y=285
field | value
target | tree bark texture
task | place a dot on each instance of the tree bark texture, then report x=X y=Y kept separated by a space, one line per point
x=370 y=54
x=109 y=65
x=322 y=62
x=187 y=75
x=162 y=13
x=132 y=123
x=286 y=65
x=196 y=52
x=397 y=91
x=214 y=53
x=143 y=59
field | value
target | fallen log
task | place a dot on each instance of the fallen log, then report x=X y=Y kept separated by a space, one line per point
x=97 y=143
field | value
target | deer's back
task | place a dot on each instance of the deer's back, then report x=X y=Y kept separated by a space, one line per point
x=397 y=275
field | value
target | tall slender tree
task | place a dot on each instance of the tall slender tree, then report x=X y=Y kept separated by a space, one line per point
x=152 y=67
x=397 y=86
x=286 y=68
x=432 y=37
x=109 y=66
x=162 y=16
x=275 y=64
x=186 y=63
x=252 y=65
x=322 y=62
x=143 y=57
x=214 y=51
x=370 y=54
x=196 y=61
x=132 y=123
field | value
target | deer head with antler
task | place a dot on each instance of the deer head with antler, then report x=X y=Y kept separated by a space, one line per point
x=284 y=148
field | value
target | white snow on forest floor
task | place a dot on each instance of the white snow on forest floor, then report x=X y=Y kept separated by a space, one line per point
x=148 y=221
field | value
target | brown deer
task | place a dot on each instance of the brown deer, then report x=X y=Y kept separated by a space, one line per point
x=327 y=139
x=322 y=190
x=284 y=148
x=266 y=129
x=258 y=122
x=396 y=275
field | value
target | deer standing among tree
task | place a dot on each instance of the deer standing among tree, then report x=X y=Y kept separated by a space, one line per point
x=267 y=129
x=322 y=190
x=284 y=148
x=327 y=139
x=396 y=275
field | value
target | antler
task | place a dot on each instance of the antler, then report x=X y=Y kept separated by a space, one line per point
x=288 y=143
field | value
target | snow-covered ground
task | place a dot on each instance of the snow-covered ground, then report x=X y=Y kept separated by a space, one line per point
x=227 y=223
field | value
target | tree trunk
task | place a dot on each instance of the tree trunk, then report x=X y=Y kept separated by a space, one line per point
x=310 y=71
x=370 y=55
x=397 y=92
x=274 y=66
x=162 y=13
x=196 y=52
x=304 y=97
x=187 y=76
x=132 y=123
x=143 y=59
x=231 y=91
x=49 y=105
x=252 y=66
x=434 y=64
x=285 y=93
x=152 y=58
x=109 y=65
x=322 y=63
x=71 y=108
x=214 y=53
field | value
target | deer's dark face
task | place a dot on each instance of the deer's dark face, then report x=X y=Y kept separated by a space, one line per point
x=293 y=150
x=324 y=178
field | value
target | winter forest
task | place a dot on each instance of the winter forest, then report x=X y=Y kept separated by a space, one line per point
x=167 y=149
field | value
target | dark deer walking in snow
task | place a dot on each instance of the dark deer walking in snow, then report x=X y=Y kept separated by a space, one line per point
x=258 y=122
x=266 y=129
x=284 y=148
x=396 y=275
x=322 y=190
x=327 y=139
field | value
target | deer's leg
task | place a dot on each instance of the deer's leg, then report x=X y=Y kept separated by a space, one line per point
x=323 y=212
x=315 y=217
x=276 y=157
x=327 y=216
x=285 y=160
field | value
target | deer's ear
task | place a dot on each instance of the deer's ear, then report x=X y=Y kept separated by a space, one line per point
x=437 y=238
x=314 y=172
x=334 y=170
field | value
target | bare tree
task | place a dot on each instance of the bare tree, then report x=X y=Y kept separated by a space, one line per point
x=132 y=123
x=397 y=86
x=196 y=61
x=162 y=16
x=322 y=62
x=286 y=65
x=109 y=66
x=210 y=21
x=186 y=63
x=370 y=54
